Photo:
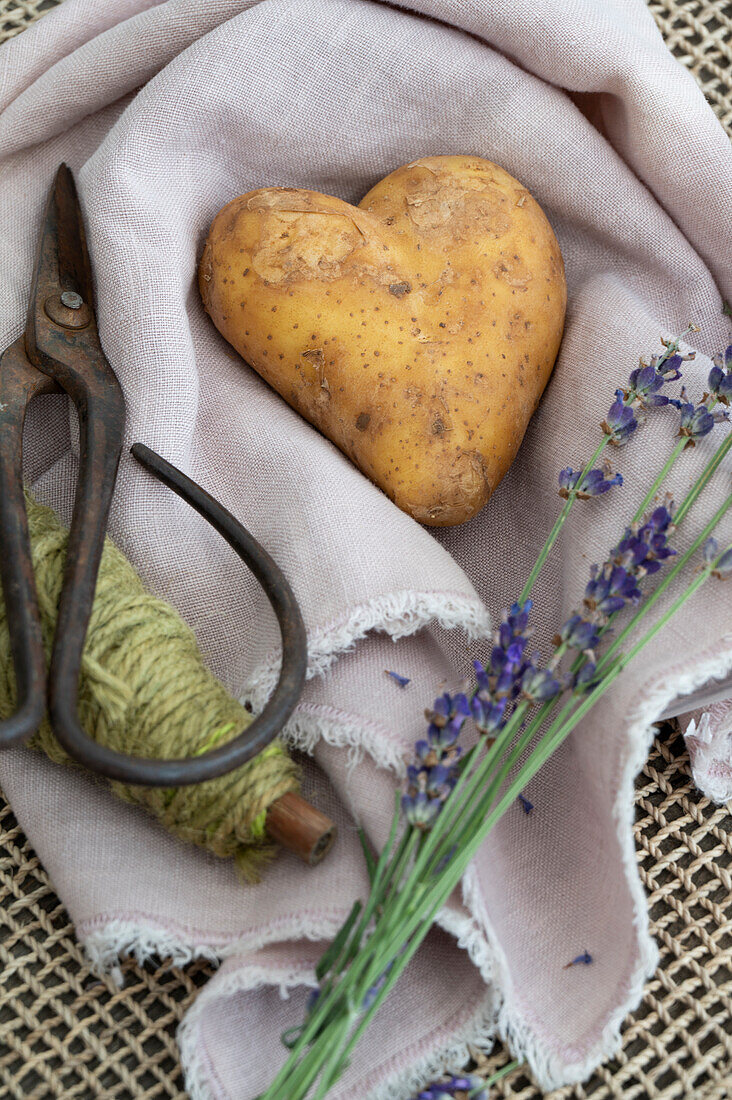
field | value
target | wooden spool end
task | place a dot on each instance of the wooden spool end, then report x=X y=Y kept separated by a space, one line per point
x=300 y=828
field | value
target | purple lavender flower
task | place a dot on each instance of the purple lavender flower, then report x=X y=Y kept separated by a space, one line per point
x=447 y=719
x=420 y=810
x=661 y=518
x=696 y=421
x=488 y=716
x=525 y=805
x=505 y=667
x=609 y=589
x=401 y=680
x=645 y=382
x=595 y=483
x=582 y=960
x=515 y=623
x=643 y=392
x=448 y=1089
x=584 y=678
x=620 y=422
x=440 y=781
x=578 y=633
x=499 y=681
x=720 y=377
x=539 y=684
x=723 y=567
x=643 y=550
x=710 y=550
x=669 y=368
x=434 y=773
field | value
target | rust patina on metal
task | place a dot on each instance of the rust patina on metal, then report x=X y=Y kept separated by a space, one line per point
x=61 y=351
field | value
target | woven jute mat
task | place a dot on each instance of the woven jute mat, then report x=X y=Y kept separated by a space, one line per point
x=65 y=1033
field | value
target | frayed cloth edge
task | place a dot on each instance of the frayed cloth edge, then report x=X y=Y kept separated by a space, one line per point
x=397 y=614
x=479 y=1032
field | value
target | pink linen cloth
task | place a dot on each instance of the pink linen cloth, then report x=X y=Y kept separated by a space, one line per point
x=168 y=110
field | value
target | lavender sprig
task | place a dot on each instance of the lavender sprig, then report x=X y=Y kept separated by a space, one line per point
x=642 y=393
x=500 y=683
x=434 y=773
x=594 y=484
x=621 y=422
x=695 y=422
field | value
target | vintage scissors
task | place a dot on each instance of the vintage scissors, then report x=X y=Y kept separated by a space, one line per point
x=61 y=351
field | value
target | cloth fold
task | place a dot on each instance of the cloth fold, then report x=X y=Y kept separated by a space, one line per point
x=167 y=111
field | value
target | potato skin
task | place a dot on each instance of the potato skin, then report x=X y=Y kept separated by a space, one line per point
x=417 y=330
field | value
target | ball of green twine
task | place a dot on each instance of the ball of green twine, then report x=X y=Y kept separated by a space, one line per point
x=145 y=691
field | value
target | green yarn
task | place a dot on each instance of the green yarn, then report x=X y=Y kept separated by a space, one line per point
x=145 y=690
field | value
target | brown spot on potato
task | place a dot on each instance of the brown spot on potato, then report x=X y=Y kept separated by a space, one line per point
x=513 y=272
x=362 y=421
x=400 y=289
x=315 y=356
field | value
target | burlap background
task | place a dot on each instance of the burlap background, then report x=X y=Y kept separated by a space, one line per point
x=65 y=1034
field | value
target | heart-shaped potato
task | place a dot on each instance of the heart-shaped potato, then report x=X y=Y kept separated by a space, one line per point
x=416 y=330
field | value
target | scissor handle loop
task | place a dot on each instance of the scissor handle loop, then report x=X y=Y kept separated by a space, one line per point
x=146 y=772
x=19 y=383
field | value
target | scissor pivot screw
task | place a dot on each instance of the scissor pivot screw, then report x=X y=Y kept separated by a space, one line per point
x=69 y=310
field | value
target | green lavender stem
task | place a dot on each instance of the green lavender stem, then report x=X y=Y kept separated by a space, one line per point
x=496 y=1077
x=454 y=804
x=662 y=475
x=559 y=523
x=704 y=478
x=331 y=991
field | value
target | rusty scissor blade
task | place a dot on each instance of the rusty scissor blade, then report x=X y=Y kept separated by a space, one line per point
x=72 y=255
x=61 y=335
